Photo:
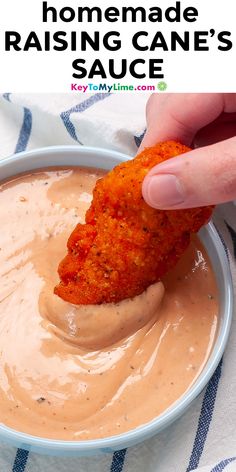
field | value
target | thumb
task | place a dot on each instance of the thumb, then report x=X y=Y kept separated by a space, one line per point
x=201 y=177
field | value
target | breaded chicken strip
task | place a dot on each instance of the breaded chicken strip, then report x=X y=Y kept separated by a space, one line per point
x=126 y=245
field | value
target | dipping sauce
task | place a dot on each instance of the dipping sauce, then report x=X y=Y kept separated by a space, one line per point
x=71 y=374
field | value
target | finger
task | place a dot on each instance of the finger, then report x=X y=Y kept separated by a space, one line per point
x=180 y=116
x=221 y=129
x=201 y=177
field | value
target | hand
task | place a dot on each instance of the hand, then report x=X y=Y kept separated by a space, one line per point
x=204 y=176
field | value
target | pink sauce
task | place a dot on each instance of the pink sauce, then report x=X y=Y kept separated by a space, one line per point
x=89 y=372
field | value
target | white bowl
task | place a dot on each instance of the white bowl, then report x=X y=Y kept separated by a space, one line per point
x=106 y=159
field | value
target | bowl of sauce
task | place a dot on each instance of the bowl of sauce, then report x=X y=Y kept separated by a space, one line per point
x=94 y=379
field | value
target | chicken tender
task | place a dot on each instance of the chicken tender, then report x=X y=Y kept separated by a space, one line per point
x=125 y=245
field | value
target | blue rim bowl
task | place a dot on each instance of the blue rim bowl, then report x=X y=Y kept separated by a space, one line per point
x=106 y=159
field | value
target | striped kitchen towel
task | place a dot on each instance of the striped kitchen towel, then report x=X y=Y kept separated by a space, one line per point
x=204 y=439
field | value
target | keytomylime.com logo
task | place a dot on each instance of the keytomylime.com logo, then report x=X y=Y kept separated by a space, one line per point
x=117 y=87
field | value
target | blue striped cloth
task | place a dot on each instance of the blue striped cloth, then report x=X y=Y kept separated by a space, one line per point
x=204 y=439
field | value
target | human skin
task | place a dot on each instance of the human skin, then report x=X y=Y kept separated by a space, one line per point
x=204 y=176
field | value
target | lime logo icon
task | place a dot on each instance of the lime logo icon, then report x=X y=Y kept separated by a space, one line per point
x=162 y=86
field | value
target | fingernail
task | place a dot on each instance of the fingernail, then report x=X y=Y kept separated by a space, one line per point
x=163 y=191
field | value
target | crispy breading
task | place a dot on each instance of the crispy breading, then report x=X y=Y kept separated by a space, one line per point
x=126 y=245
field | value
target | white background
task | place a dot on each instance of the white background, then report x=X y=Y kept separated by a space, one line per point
x=33 y=71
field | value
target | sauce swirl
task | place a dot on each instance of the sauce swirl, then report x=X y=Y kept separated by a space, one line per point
x=72 y=373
